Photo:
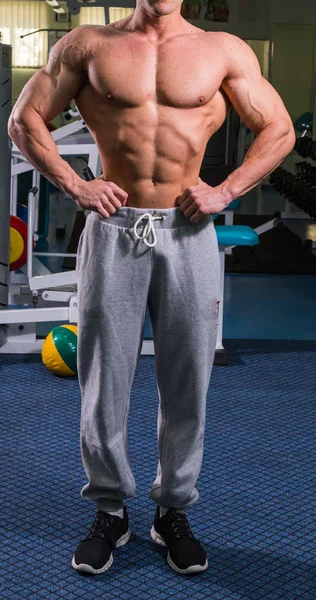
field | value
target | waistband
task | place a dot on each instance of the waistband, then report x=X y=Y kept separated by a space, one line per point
x=145 y=221
x=126 y=216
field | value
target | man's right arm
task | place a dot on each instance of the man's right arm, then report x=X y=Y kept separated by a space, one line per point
x=44 y=96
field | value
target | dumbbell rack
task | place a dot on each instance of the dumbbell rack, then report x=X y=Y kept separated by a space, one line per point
x=299 y=186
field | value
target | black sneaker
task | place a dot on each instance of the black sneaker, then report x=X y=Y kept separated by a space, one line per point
x=185 y=553
x=94 y=553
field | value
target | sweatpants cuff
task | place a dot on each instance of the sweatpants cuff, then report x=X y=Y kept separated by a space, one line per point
x=107 y=505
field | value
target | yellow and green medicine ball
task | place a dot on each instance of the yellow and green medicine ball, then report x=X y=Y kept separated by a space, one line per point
x=59 y=351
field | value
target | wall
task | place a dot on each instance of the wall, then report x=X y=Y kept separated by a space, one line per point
x=292 y=71
x=293 y=11
x=294 y=58
x=248 y=19
x=253 y=18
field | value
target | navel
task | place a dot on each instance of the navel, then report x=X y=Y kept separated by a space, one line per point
x=110 y=96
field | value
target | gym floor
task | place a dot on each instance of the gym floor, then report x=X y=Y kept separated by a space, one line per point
x=256 y=513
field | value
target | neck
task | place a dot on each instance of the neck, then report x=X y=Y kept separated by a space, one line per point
x=157 y=27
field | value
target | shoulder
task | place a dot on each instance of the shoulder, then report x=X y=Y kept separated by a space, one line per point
x=228 y=42
x=78 y=45
x=237 y=54
x=79 y=35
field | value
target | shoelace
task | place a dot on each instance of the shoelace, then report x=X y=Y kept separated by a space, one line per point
x=180 y=524
x=99 y=528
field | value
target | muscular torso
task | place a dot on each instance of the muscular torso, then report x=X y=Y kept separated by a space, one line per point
x=152 y=108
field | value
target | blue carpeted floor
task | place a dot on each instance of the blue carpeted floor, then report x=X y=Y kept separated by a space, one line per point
x=257 y=510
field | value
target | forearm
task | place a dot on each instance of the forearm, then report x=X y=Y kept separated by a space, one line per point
x=268 y=150
x=35 y=142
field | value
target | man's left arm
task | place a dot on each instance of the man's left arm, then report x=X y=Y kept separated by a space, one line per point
x=261 y=108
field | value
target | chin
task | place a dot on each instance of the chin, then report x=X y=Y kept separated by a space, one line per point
x=163 y=7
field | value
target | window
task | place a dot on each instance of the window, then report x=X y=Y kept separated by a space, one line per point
x=18 y=18
x=93 y=15
x=119 y=13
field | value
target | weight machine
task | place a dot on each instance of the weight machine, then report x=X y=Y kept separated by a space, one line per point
x=74 y=6
x=5 y=109
x=24 y=295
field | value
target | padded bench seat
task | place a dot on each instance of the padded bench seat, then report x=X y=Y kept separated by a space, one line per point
x=229 y=212
x=236 y=235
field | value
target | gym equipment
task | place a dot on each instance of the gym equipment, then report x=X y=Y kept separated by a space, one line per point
x=304 y=123
x=298 y=188
x=224 y=153
x=27 y=292
x=306 y=171
x=72 y=141
x=5 y=166
x=303 y=146
x=18 y=243
x=74 y=6
x=70 y=113
x=294 y=189
x=313 y=151
x=59 y=351
x=35 y=285
x=229 y=236
x=51 y=127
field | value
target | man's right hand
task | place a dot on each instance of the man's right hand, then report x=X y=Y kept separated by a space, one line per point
x=103 y=197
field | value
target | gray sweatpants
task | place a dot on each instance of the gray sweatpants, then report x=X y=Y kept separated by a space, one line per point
x=139 y=257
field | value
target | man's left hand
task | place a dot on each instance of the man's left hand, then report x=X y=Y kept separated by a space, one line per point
x=200 y=200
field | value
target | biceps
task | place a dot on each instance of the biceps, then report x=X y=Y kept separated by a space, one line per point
x=48 y=93
x=256 y=101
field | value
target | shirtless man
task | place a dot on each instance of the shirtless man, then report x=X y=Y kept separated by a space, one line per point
x=152 y=89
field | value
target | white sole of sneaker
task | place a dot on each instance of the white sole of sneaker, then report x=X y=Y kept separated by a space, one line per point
x=190 y=570
x=88 y=569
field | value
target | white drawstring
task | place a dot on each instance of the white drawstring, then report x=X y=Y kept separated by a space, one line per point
x=148 y=229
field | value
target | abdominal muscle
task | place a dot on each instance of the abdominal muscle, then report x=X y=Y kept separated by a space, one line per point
x=153 y=153
x=146 y=194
